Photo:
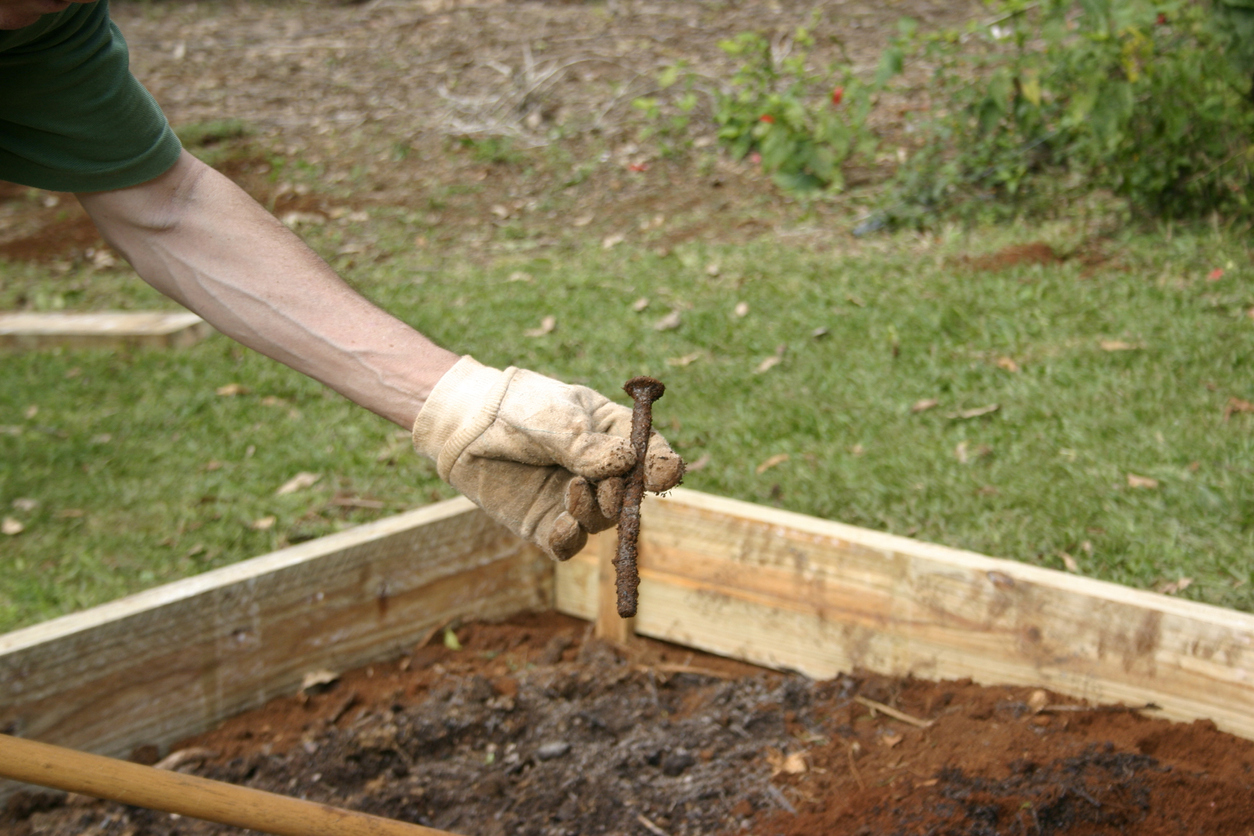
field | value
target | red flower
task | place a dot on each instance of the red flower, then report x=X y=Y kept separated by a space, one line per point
x=768 y=118
x=837 y=94
x=639 y=166
x=1161 y=19
x=1215 y=275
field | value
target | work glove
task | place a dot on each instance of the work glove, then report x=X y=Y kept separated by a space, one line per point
x=543 y=458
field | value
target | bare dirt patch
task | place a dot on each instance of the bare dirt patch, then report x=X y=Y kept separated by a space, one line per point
x=531 y=727
x=502 y=124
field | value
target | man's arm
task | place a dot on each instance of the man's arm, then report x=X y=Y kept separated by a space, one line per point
x=540 y=456
x=198 y=238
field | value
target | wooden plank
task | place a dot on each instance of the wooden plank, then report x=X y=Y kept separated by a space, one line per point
x=576 y=589
x=795 y=592
x=609 y=624
x=176 y=660
x=27 y=330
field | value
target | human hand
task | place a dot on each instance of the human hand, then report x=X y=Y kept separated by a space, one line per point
x=541 y=457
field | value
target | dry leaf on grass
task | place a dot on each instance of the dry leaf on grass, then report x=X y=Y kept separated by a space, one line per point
x=1069 y=562
x=773 y=461
x=547 y=326
x=263 y=524
x=772 y=361
x=686 y=360
x=1172 y=587
x=640 y=304
x=520 y=276
x=1008 y=364
x=978 y=412
x=924 y=405
x=298 y=482
x=31 y=411
x=741 y=310
x=230 y=390
x=11 y=527
x=1146 y=482
x=1236 y=405
x=24 y=503
x=609 y=242
x=891 y=738
x=669 y=322
x=965 y=454
x=294 y=219
x=1117 y=345
x=699 y=464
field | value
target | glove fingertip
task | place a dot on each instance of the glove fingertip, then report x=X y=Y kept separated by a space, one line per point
x=564 y=539
x=664 y=469
x=610 y=497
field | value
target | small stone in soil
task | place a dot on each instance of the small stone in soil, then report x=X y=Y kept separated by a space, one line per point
x=553 y=749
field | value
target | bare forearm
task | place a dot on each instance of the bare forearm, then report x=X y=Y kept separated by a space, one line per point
x=199 y=239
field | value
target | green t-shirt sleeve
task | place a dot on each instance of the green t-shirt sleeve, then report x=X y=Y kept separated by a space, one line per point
x=72 y=117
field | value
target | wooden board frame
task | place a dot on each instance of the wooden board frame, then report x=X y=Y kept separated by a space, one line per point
x=766 y=586
x=158 y=666
x=794 y=592
x=32 y=330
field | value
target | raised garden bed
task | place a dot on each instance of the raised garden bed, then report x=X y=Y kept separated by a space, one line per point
x=534 y=726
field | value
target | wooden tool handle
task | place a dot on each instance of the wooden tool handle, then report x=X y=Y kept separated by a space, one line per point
x=187 y=795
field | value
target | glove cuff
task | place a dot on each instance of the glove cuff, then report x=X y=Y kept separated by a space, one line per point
x=461 y=407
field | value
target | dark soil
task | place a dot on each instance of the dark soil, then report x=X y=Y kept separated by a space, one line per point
x=531 y=727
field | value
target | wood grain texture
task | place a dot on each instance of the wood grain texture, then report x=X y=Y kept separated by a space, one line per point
x=795 y=592
x=609 y=626
x=161 y=665
x=27 y=330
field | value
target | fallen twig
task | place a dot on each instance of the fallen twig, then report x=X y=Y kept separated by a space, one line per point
x=780 y=798
x=894 y=713
x=194 y=754
x=853 y=768
x=650 y=826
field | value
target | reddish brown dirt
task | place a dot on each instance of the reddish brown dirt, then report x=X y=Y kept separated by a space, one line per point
x=533 y=728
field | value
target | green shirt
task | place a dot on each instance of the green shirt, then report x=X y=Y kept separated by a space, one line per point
x=72 y=117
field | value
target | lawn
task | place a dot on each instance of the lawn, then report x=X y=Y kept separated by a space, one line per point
x=1089 y=415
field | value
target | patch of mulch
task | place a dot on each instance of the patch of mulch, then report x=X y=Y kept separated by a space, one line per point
x=533 y=727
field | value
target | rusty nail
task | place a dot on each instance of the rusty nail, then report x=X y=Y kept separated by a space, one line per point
x=644 y=391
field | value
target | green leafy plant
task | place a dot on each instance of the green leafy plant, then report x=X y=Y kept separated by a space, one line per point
x=804 y=124
x=669 y=126
x=1133 y=97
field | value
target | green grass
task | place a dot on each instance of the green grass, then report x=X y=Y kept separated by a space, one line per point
x=162 y=477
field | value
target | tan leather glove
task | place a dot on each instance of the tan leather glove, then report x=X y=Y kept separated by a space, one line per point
x=541 y=457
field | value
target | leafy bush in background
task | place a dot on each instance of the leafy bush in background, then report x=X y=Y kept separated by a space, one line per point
x=1135 y=97
x=804 y=124
x=1046 y=101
